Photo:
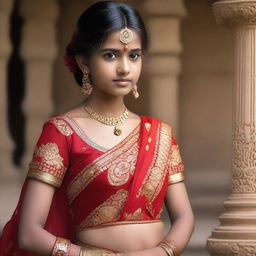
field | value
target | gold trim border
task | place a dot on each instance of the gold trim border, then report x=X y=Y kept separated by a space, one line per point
x=44 y=177
x=115 y=223
x=175 y=178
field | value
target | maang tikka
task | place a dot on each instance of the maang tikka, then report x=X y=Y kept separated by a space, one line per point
x=126 y=35
x=86 y=84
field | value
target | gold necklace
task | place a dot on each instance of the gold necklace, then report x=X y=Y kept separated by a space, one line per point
x=112 y=121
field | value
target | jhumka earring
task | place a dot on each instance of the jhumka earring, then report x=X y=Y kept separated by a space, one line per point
x=87 y=86
x=135 y=92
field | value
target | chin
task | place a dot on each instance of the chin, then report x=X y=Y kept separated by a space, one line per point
x=121 y=93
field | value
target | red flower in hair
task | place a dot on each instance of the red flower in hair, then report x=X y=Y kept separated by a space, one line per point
x=70 y=60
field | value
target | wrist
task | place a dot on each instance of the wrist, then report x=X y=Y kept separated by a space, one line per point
x=169 y=247
x=75 y=250
x=160 y=251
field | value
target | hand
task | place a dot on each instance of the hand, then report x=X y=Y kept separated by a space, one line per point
x=156 y=251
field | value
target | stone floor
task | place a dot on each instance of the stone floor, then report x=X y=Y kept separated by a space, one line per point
x=207 y=190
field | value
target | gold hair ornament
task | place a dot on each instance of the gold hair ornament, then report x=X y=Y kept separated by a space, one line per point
x=126 y=35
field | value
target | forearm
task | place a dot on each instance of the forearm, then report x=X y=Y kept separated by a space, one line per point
x=181 y=231
x=39 y=241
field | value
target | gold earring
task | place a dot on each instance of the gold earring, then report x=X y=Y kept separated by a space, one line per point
x=135 y=93
x=87 y=86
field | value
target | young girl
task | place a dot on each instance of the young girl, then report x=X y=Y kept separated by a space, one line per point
x=100 y=173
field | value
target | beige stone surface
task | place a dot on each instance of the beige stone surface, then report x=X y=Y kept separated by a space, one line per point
x=39 y=50
x=7 y=168
x=205 y=133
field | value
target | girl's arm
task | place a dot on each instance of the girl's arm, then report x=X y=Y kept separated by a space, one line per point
x=32 y=236
x=180 y=213
x=181 y=217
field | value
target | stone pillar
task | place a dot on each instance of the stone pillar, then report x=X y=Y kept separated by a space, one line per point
x=39 y=50
x=236 y=234
x=6 y=144
x=163 y=24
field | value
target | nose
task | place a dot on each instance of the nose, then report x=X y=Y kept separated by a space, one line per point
x=123 y=67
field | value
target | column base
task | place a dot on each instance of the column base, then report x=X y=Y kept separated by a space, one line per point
x=217 y=247
x=236 y=235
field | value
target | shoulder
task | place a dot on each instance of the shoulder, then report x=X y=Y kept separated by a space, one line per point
x=59 y=123
x=157 y=121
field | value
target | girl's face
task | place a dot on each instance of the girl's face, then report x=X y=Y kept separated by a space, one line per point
x=115 y=68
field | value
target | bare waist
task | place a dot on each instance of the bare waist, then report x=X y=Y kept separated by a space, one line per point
x=124 y=238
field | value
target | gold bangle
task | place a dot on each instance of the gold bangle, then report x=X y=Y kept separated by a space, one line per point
x=173 y=246
x=167 y=249
x=170 y=247
x=61 y=247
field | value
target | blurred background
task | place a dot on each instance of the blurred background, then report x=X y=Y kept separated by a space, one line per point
x=186 y=82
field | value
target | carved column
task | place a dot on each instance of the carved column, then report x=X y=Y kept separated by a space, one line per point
x=236 y=234
x=6 y=145
x=163 y=23
x=38 y=50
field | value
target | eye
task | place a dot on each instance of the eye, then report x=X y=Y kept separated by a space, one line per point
x=134 y=56
x=110 y=55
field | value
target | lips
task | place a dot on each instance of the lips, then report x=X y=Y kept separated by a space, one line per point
x=122 y=80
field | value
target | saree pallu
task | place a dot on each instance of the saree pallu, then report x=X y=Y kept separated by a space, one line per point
x=98 y=187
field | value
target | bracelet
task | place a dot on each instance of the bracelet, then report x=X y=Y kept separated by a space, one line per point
x=173 y=246
x=61 y=247
x=169 y=247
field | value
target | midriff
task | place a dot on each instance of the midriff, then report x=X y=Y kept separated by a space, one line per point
x=123 y=238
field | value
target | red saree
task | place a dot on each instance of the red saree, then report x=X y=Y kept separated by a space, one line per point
x=122 y=185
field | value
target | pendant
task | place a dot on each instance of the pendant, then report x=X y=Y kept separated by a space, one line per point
x=117 y=131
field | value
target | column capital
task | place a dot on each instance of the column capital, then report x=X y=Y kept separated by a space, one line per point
x=235 y=12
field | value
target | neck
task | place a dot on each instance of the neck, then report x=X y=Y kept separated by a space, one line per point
x=107 y=105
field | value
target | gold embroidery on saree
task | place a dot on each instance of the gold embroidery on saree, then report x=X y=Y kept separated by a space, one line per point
x=62 y=126
x=108 y=211
x=122 y=167
x=158 y=216
x=148 y=126
x=51 y=160
x=175 y=164
x=154 y=179
x=50 y=154
x=102 y=163
x=137 y=215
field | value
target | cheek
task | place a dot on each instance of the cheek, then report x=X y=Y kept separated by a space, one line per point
x=137 y=69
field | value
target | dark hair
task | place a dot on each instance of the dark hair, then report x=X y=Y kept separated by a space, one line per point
x=93 y=27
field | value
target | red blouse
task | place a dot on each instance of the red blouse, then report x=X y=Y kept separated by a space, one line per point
x=98 y=181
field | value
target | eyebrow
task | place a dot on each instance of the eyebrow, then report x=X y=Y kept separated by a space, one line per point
x=118 y=50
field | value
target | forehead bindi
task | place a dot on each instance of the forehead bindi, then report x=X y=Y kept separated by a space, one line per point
x=113 y=41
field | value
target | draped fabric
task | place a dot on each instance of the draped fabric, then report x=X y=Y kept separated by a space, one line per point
x=96 y=186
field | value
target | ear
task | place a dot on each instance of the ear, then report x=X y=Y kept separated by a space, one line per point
x=81 y=64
